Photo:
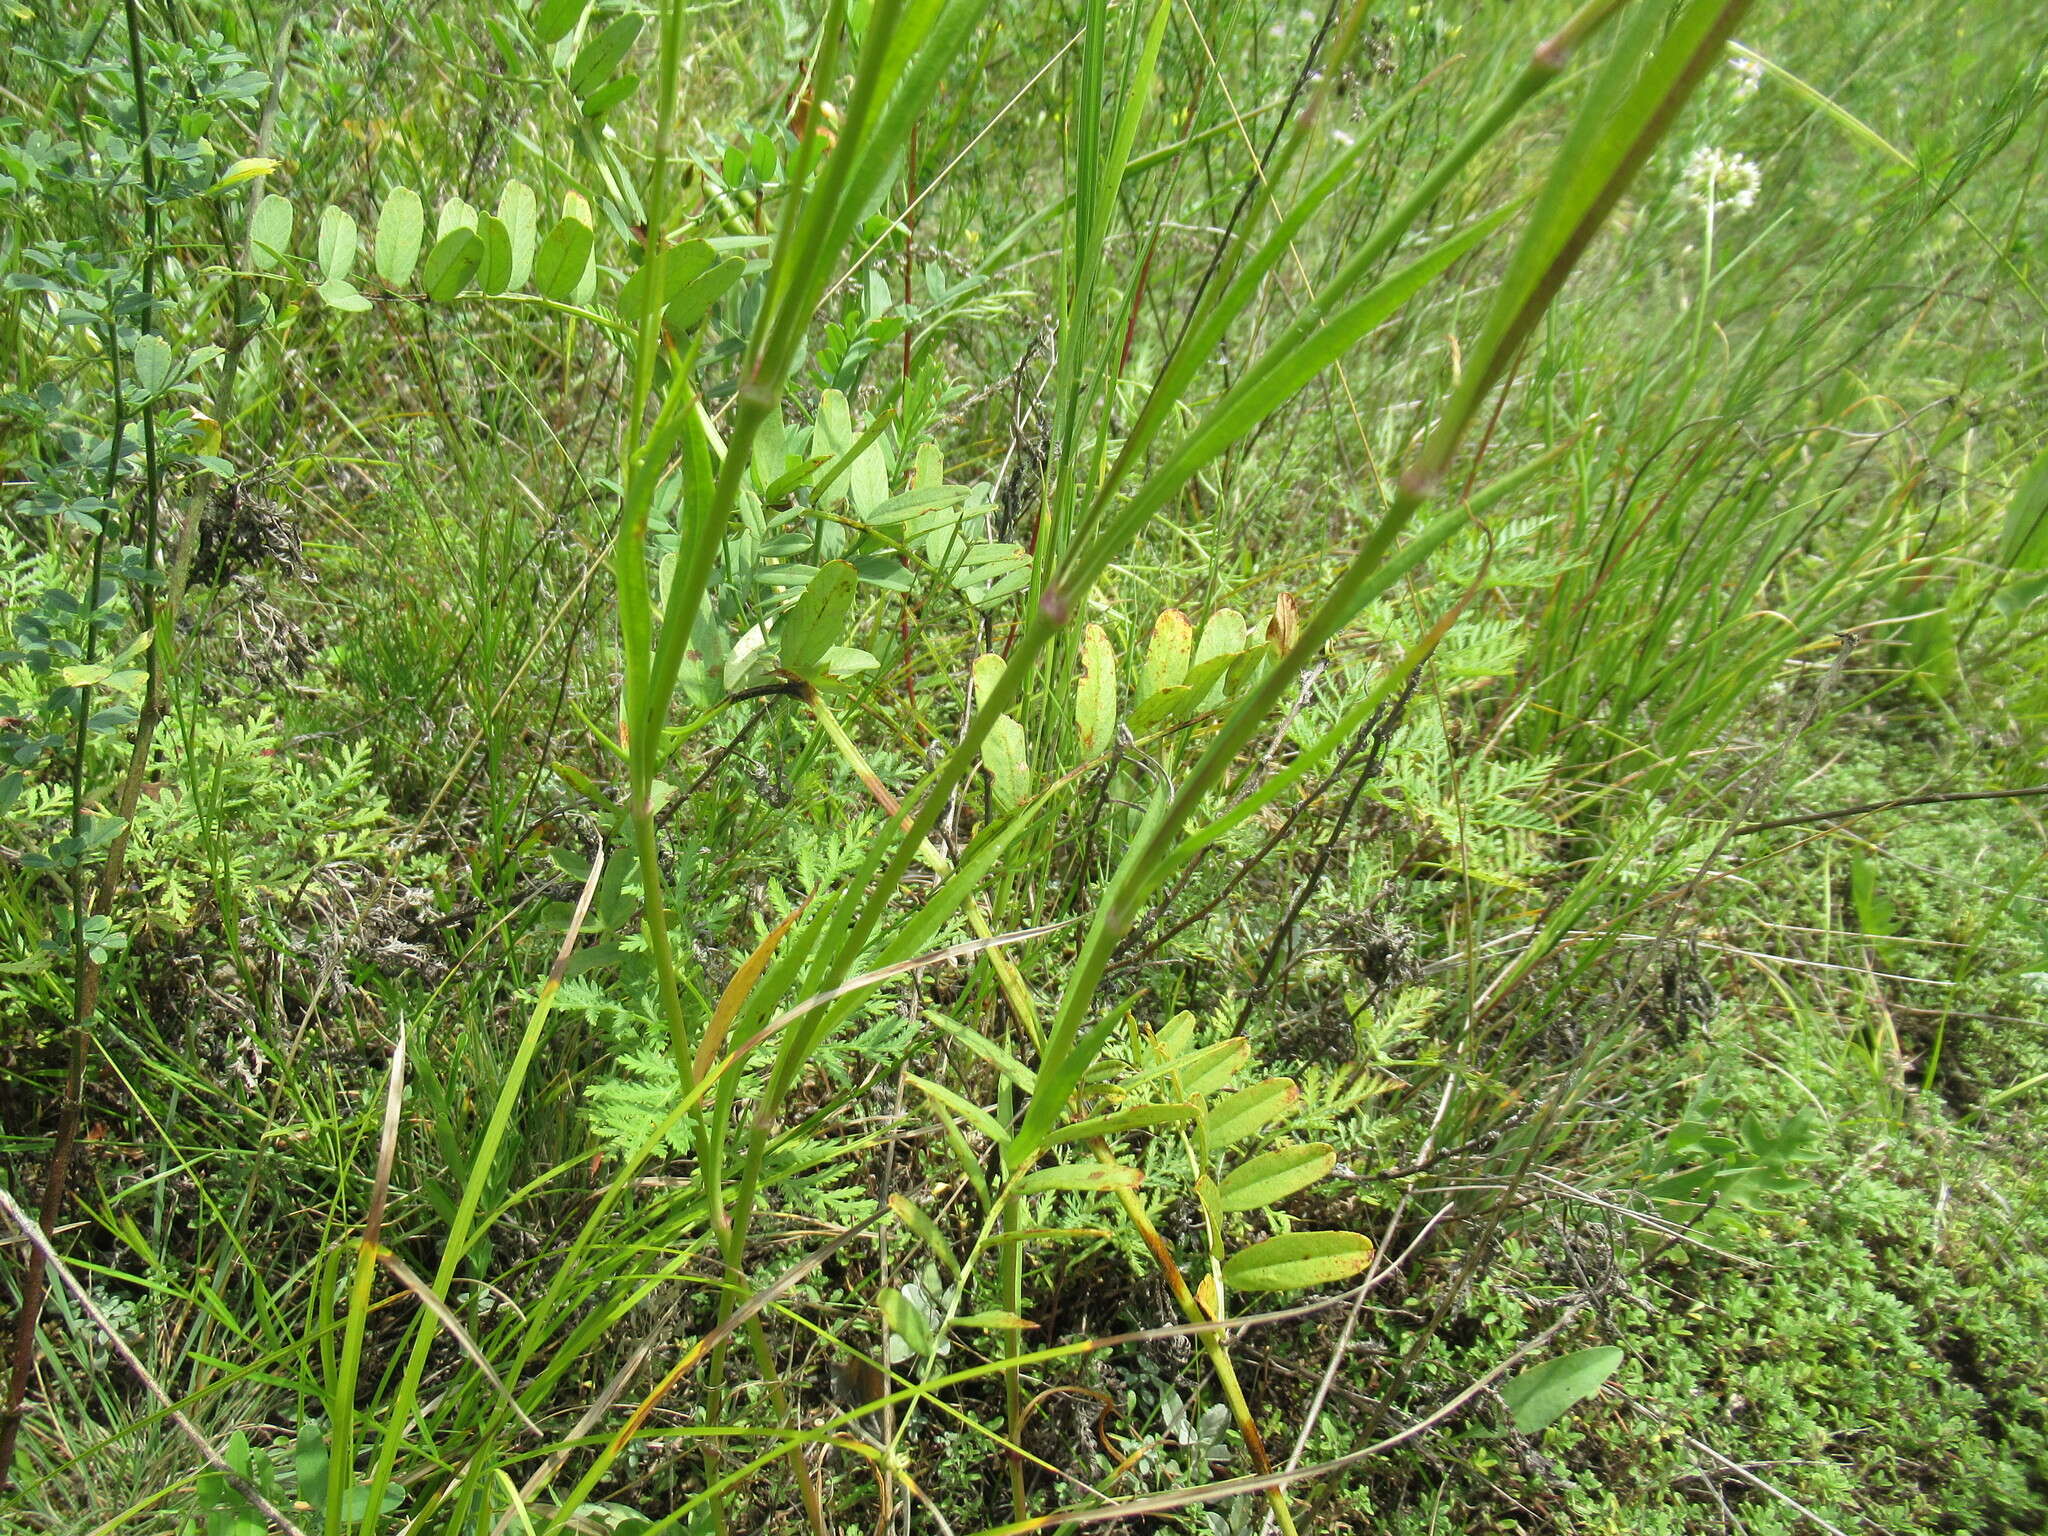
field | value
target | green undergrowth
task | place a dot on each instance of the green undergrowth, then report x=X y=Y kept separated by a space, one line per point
x=1208 y=661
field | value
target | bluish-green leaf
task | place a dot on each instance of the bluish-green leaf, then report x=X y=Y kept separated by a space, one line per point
x=519 y=211
x=401 y=227
x=270 y=232
x=336 y=244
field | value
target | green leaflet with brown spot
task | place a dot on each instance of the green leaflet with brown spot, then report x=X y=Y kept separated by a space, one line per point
x=1296 y=1260
x=1003 y=750
x=1095 y=694
x=1166 y=658
x=817 y=619
x=1271 y=1177
x=1248 y=1111
x=1210 y=1068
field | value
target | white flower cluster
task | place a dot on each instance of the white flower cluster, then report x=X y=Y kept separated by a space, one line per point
x=1749 y=74
x=1728 y=183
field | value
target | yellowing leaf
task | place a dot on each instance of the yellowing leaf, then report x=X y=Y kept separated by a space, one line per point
x=1296 y=1260
x=1284 y=628
x=1213 y=1066
x=1166 y=658
x=1095 y=695
x=1080 y=1176
x=1271 y=1177
x=1003 y=749
x=1247 y=1111
x=248 y=168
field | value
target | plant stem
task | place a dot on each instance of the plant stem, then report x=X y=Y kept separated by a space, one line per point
x=85 y=976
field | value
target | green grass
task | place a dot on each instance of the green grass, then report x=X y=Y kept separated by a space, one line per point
x=739 y=916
